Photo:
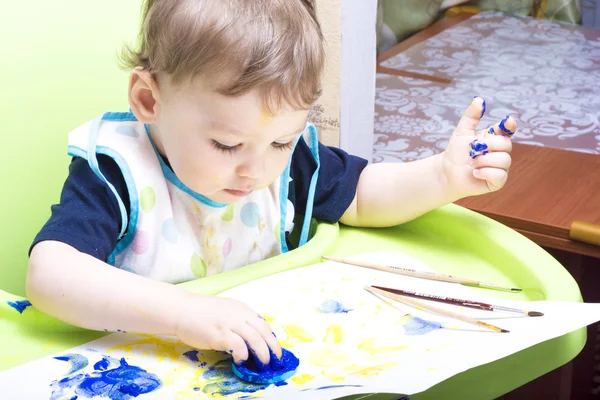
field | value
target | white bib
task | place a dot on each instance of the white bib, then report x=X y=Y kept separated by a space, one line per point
x=172 y=233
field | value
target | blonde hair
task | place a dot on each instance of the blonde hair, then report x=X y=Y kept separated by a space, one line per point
x=275 y=46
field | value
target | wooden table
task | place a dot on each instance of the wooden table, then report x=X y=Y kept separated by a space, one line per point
x=548 y=189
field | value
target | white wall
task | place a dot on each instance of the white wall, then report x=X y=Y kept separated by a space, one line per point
x=359 y=18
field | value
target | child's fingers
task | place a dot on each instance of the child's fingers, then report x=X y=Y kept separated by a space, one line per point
x=495 y=177
x=255 y=342
x=506 y=127
x=490 y=143
x=263 y=328
x=470 y=119
x=236 y=346
x=500 y=160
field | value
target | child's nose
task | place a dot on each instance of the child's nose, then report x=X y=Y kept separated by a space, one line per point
x=252 y=168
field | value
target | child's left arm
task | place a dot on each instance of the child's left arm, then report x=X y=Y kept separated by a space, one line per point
x=474 y=163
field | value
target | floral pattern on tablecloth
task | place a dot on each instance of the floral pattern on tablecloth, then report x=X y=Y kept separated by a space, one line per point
x=545 y=74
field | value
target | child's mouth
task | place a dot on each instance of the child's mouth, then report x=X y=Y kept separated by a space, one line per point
x=238 y=193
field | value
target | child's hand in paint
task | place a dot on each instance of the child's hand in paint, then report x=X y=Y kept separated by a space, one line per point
x=477 y=162
x=216 y=323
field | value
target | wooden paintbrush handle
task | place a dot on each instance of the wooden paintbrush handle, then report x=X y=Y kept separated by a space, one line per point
x=408 y=272
x=419 y=305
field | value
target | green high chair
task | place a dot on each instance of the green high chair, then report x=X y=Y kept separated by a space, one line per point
x=59 y=69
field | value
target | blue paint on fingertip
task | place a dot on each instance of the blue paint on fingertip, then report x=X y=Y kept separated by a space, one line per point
x=476 y=145
x=483 y=105
x=503 y=127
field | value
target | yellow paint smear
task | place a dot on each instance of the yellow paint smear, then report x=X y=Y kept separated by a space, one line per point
x=286 y=344
x=369 y=346
x=333 y=377
x=299 y=333
x=155 y=347
x=301 y=379
x=268 y=318
x=370 y=371
x=265 y=118
x=334 y=334
x=328 y=357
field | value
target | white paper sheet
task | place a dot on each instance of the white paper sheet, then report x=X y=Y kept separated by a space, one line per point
x=348 y=341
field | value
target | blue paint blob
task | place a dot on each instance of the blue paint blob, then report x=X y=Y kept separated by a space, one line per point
x=122 y=383
x=491 y=131
x=281 y=383
x=102 y=365
x=19 y=305
x=169 y=231
x=250 y=214
x=222 y=381
x=192 y=355
x=77 y=362
x=127 y=130
x=478 y=146
x=333 y=307
x=503 y=128
x=278 y=370
x=418 y=326
x=196 y=389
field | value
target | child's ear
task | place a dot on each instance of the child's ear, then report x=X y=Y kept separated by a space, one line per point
x=143 y=95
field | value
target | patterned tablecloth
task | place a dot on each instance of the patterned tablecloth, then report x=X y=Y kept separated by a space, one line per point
x=545 y=74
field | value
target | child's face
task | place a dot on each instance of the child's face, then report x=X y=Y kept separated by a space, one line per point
x=223 y=147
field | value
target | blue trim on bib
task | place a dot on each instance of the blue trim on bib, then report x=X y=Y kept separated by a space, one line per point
x=131 y=226
x=314 y=149
x=284 y=187
x=93 y=163
x=284 y=190
x=171 y=177
x=119 y=116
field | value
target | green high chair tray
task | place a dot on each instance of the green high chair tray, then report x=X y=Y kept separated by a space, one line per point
x=450 y=239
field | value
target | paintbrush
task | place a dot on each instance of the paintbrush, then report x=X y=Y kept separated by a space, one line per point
x=460 y=302
x=428 y=307
x=422 y=274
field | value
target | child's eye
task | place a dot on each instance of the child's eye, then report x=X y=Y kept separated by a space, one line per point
x=283 y=146
x=224 y=148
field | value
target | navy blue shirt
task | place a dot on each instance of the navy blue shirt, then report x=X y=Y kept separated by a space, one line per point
x=88 y=217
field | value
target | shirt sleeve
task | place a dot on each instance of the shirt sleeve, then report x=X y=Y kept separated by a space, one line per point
x=336 y=185
x=88 y=216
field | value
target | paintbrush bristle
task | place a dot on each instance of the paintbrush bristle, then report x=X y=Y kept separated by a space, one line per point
x=534 y=313
x=504 y=331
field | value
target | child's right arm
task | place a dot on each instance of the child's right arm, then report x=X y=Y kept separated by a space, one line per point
x=84 y=291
